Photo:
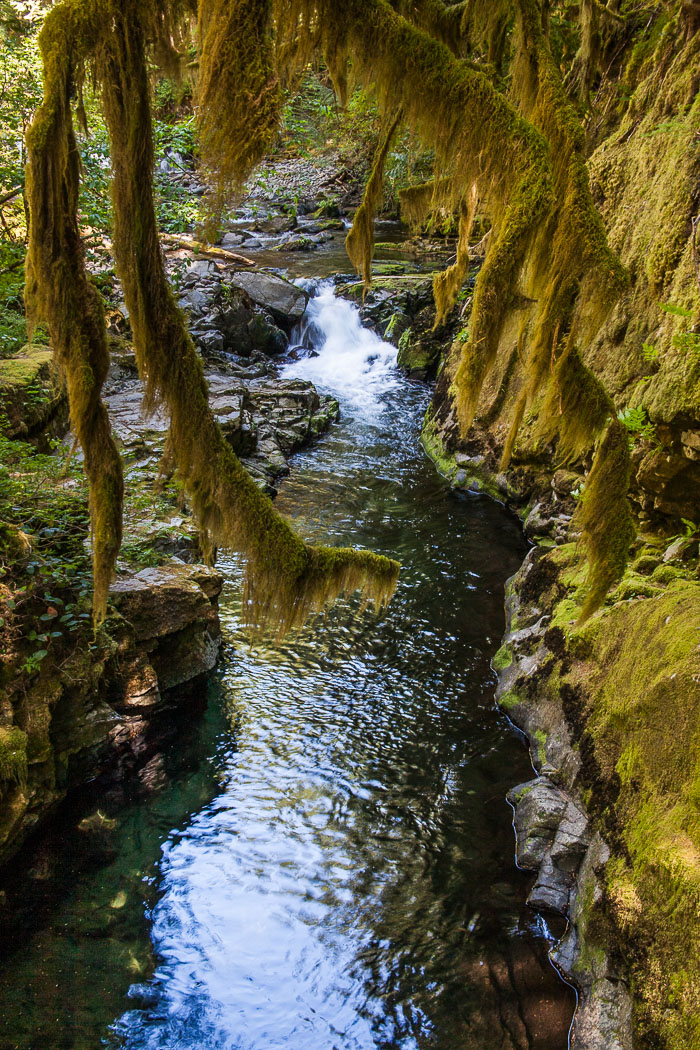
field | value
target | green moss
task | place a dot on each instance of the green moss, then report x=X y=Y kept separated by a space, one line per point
x=21 y=371
x=435 y=450
x=446 y=285
x=643 y=721
x=633 y=586
x=502 y=659
x=519 y=795
x=58 y=289
x=509 y=701
x=604 y=516
x=540 y=739
x=664 y=574
x=239 y=93
x=13 y=757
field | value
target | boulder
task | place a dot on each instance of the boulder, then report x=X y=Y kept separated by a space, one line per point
x=233 y=324
x=173 y=613
x=539 y=808
x=162 y=601
x=199 y=270
x=285 y=301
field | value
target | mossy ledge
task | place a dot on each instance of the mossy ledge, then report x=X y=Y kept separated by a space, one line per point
x=612 y=711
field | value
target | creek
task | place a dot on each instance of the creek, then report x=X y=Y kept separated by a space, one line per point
x=322 y=858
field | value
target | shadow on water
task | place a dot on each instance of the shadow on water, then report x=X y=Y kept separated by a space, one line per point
x=325 y=860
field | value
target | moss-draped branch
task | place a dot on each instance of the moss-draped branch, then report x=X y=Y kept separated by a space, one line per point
x=523 y=149
x=286 y=579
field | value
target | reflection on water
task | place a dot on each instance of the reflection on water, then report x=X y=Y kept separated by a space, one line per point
x=336 y=857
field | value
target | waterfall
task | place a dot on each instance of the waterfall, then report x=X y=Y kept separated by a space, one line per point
x=350 y=362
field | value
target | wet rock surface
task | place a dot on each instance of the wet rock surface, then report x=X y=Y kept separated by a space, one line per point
x=554 y=834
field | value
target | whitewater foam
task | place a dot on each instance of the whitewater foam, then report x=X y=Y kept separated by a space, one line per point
x=352 y=363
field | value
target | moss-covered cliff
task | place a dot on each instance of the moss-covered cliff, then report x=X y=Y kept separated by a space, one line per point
x=624 y=686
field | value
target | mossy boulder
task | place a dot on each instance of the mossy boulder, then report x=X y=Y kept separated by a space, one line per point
x=417 y=356
x=29 y=391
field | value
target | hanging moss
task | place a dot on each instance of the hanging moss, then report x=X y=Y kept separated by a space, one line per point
x=547 y=245
x=286 y=579
x=604 y=517
x=438 y=19
x=446 y=285
x=238 y=89
x=576 y=407
x=359 y=242
x=58 y=290
x=486 y=27
x=428 y=199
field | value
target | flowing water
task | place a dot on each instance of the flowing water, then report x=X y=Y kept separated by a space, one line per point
x=323 y=860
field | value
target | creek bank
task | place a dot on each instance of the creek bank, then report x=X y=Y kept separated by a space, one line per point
x=96 y=710
x=611 y=707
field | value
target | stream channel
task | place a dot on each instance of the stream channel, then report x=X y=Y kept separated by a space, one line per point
x=322 y=859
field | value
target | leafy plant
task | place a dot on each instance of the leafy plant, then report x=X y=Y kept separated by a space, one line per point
x=677 y=311
x=688 y=342
x=637 y=424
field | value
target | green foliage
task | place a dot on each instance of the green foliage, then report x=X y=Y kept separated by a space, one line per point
x=677 y=311
x=688 y=342
x=44 y=558
x=636 y=423
x=95 y=201
x=309 y=117
x=20 y=88
x=40 y=496
x=175 y=144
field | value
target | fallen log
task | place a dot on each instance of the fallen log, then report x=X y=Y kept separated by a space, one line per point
x=200 y=248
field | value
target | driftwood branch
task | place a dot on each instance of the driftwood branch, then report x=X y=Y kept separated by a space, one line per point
x=205 y=249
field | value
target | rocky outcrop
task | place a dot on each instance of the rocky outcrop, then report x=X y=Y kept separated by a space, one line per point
x=92 y=710
x=555 y=837
x=31 y=396
x=172 y=612
x=264 y=418
x=225 y=317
